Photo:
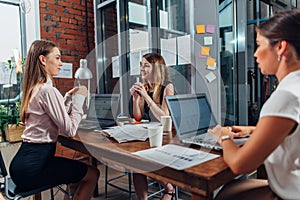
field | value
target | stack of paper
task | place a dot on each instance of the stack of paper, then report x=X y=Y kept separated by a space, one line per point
x=175 y=156
x=128 y=132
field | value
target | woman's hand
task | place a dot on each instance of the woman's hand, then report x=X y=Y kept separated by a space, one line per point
x=220 y=131
x=242 y=131
x=73 y=91
x=81 y=90
x=138 y=90
x=133 y=92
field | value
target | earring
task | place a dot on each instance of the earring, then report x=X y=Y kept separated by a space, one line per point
x=279 y=57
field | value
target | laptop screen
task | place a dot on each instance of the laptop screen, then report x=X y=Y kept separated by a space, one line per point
x=191 y=114
x=104 y=106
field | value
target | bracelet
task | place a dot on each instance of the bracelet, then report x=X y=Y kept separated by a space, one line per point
x=223 y=138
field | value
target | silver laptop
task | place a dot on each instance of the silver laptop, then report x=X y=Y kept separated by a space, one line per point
x=102 y=112
x=192 y=117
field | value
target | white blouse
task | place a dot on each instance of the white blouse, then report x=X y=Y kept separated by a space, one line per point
x=283 y=164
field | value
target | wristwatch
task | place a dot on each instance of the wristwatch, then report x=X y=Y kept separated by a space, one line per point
x=225 y=137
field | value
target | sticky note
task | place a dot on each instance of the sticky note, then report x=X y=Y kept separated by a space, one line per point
x=210 y=28
x=208 y=40
x=210 y=77
x=210 y=62
x=200 y=29
x=212 y=67
x=201 y=56
x=205 y=51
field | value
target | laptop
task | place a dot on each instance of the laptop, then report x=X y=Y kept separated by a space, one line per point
x=192 y=117
x=102 y=112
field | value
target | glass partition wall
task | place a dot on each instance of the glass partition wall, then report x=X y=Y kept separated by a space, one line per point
x=246 y=89
x=126 y=30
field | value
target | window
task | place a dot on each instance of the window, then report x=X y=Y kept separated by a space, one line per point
x=10 y=30
x=11 y=45
x=17 y=31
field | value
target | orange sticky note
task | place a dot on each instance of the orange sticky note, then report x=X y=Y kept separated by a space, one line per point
x=200 y=28
x=210 y=62
x=205 y=51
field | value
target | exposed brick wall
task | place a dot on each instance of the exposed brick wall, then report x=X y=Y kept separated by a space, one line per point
x=64 y=22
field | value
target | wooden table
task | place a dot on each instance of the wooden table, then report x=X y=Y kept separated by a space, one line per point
x=200 y=180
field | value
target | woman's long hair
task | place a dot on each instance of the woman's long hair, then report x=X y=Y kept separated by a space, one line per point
x=35 y=72
x=160 y=74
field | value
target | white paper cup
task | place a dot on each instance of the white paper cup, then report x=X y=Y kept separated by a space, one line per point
x=155 y=134
x=166 y=121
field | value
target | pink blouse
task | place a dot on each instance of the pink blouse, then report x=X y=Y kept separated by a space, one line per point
x=48 y=115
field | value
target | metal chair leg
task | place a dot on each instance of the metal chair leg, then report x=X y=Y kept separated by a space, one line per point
x=176 y=193
x=106 y=180
x=70 y=197
x=51 y=194
x=129 y=184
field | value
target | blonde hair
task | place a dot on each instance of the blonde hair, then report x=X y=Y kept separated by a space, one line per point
x=34 y=72
x=160 y=73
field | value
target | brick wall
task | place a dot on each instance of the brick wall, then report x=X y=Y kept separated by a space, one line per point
x=64 y=22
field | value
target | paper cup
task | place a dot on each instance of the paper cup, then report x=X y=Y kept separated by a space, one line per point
x=166 y=121
x=155 y=134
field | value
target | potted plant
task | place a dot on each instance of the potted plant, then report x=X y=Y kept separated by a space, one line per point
x=10 y=127
x=10 y=122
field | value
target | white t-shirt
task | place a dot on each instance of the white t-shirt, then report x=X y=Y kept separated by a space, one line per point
x=283 y=164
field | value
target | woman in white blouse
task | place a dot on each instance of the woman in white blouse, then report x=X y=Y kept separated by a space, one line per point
x=46 y=113
x=275 y=139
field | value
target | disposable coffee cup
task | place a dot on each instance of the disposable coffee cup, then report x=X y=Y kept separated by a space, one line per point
x=155 y=134
x=166 y=122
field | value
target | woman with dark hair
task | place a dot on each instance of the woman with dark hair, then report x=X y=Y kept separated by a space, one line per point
x=148 y=103
x=275 y=139
x=46 y=113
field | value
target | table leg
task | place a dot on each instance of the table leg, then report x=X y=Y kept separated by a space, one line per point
x=94 y=163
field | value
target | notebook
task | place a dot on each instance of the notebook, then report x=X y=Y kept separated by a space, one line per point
x=192 y=117
x=102 y=112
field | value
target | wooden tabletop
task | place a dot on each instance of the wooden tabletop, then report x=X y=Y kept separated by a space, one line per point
x=201 y=180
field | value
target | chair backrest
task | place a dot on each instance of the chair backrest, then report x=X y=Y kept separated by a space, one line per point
x=2 y=166
x=8 y=151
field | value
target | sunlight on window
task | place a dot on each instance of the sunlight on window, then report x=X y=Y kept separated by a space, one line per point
x=10 y=31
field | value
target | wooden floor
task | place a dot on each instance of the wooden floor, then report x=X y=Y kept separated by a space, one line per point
x=113 y=194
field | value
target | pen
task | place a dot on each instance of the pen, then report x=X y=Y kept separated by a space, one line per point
x=137 y=79
x=78 y=80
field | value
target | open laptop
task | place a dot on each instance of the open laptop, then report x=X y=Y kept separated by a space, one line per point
x=102 y=112
x=192 y=117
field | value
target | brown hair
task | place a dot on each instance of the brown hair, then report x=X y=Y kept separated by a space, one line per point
x=35 y=72
x=284 y=25
x=160 y=73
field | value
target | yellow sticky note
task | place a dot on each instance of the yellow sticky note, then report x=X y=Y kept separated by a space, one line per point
x=200 y=28
x=205 y=51
x=210 y=62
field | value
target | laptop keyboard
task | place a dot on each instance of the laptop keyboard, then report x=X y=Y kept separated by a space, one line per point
x=204 y=140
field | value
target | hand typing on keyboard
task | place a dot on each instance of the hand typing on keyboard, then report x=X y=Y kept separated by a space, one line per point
x=242 y=131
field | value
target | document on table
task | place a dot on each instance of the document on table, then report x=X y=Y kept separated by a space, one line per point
x=128 y=132
x=175 y=156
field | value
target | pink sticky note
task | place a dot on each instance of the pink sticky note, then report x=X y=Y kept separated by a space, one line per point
x=210 y=28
